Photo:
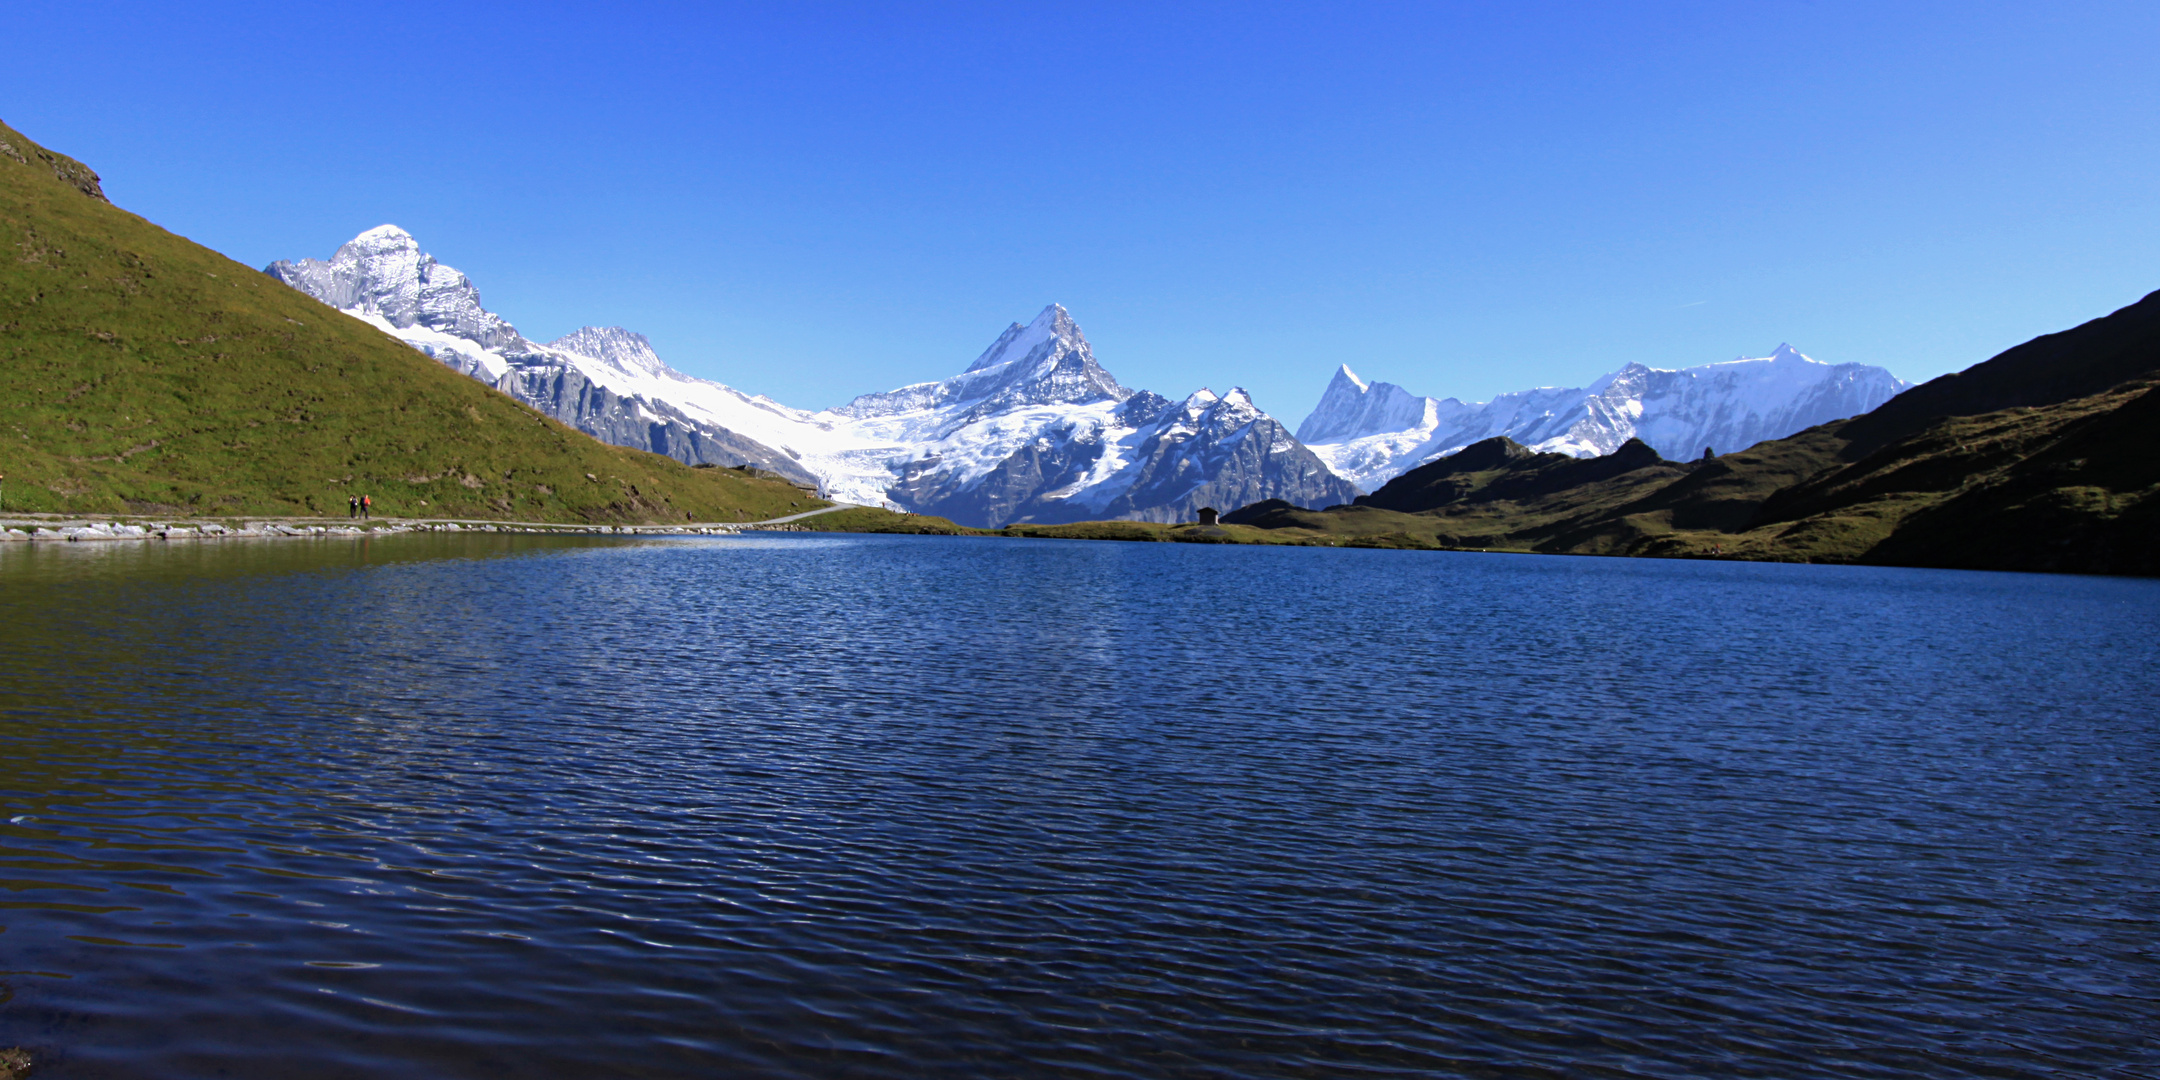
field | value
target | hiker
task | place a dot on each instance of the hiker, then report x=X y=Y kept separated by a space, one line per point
x=352 y=506
x=367 y=506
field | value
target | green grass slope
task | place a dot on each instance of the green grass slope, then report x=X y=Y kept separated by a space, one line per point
x=1503 y=470
x=143 y=373
x=2073 y=486
x=2076 y=493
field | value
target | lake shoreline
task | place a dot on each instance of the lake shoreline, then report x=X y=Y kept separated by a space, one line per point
x=1680 y=546
x=54 y=528
x=567 y=807
x=860 y=520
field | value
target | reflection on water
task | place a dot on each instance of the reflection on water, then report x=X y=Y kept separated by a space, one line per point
x=805 y=806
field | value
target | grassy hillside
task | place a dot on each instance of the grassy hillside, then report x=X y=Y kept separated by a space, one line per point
x=143 y=373
x=2073 y=486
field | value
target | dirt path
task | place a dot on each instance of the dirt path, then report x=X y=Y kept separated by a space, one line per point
x=808 y=513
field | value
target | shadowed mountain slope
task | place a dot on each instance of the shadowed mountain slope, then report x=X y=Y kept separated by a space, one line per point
x=2046 y=457
x=2088 y=359
x=1502 y=469
x=146 y=373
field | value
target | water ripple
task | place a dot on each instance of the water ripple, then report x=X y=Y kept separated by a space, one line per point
x=894 y=807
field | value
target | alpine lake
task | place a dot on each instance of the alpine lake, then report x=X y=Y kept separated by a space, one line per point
x=855 y=806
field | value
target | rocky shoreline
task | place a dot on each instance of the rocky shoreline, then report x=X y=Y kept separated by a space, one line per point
x=78 y=530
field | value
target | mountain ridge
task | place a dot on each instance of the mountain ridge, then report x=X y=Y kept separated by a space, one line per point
x=1373 y=432
x=1033 y=429
x=2045 y=457
x=382 y=277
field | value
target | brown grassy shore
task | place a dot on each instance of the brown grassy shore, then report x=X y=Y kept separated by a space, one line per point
x=1368 y=531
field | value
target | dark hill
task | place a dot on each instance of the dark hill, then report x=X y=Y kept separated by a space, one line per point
x=2064 y=492
x=1501 y=468
x=1245 y=515
x=2064 y=487
x=2046 y=457
x=2088 y=359
x=142 y=372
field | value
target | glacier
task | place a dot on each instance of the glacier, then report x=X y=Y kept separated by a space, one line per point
x=1035 y=430
x=1370 y=433
x=605 y=382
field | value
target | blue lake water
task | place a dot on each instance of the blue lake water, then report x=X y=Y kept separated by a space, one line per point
x=901 y=807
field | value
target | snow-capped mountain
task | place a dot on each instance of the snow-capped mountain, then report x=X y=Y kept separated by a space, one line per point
x=1372 y=433
x=1034 y=430
x=604 y=382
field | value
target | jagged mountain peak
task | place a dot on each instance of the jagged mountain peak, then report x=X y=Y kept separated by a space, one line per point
x=605 y=381
x=625 y=349
x=385 y=235
x=1205 y=406
x=383 y=273
x=386 y=245
x=1783 y=354
x=1052 y=332
x=1046 y=362
x=1371 y=437
x=1035 y=429
x=1351 y=405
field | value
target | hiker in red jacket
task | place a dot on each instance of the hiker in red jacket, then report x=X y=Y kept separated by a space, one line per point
x=367 y=506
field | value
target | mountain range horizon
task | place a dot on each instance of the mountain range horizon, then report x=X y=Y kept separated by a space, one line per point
x=1035 y=430
x=1260 y=541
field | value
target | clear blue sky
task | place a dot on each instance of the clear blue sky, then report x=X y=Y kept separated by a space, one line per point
x=818 y=200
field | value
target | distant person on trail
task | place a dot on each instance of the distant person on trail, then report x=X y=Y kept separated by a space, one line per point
x=352 y=506
x=367 y=506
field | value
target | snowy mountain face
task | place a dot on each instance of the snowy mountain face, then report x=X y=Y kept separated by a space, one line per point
x=1371 y=433
x=1035 y=430
x=606 y=383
